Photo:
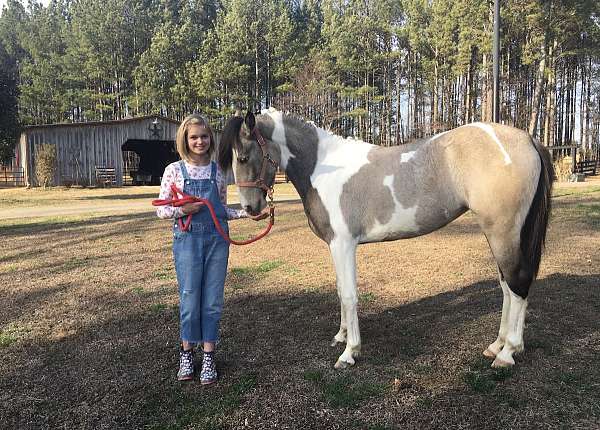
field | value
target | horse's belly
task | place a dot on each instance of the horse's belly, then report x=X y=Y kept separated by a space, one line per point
x=402 y=224
x=411 y=222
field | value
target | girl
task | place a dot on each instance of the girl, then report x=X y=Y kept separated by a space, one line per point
x=200 y=253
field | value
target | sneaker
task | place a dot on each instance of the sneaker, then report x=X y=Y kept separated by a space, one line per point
x=186 y=365
x=208 y=374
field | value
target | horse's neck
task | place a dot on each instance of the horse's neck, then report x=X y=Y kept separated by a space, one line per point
x=299 y=146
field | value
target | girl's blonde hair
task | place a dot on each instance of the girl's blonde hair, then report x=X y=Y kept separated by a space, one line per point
x=182 y=134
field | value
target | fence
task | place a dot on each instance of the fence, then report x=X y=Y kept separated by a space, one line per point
x=12 y=176
x=586 y=162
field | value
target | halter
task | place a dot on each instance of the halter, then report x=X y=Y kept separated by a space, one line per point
x=260 y=182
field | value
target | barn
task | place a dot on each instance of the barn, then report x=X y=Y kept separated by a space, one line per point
x=127 y=151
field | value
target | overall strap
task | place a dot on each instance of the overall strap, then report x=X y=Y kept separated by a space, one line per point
x=184 y=171
x=213 y=171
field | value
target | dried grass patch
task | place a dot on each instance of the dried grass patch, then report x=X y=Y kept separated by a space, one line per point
x=89 y=318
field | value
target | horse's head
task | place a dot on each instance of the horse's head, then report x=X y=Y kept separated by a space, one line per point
x=253 y=158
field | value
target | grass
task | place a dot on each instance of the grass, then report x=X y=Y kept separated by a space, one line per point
x=257 y=270
x=561 y=191
x=89 y=328
x=12 y=333
x=7 y=338
x=481 y=378
x=9 y=268
x=207 y=415
x=166 y=274
x=365 y=298
x=343 y=391
x=158 y=307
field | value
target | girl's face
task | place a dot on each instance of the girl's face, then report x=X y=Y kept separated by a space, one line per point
x=198 y=141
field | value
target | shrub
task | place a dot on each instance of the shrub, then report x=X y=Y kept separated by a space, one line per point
x=562 y=169
x=45 y=165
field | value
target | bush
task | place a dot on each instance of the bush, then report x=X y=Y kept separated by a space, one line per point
x=563 y=169
x=45 y=164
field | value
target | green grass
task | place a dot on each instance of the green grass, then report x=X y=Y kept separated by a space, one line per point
x=53 y=221
x=267 y=266
x=9 y=268
x=11 y=334
x=365 y=298
x=7 y=339
x=262 y=268
x=313 y=376
x=158 y=307
x=589 y=210
x=424 y=402
x=188 y=412
x=343 y=391
x=138 y=290
x=562 y=192
x=165 y=274
x=481 y=378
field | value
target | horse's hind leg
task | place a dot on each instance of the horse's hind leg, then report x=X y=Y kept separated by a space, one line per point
x=496 y=346
x=516 y=277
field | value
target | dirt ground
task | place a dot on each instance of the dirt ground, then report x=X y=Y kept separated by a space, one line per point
x=89 y=327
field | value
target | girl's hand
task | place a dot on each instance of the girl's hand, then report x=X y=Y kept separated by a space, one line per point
x=260 y=216
x=191 y=208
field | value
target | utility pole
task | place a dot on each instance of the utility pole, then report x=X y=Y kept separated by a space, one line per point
x=496 y=55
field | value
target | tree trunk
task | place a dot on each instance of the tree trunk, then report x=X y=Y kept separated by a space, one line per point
x=537 y=93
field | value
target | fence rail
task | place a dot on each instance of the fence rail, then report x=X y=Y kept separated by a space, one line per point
x=588 y=163
x=12 y=176
x=587 y=167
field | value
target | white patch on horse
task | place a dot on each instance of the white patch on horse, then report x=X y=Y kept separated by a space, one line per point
x=515 y=324
x=279 y=136
x=403 y=219
x=337 y=161
x=490 y=131
x=404 y=157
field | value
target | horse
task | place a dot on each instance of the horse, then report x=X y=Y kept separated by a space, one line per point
x=354 y=193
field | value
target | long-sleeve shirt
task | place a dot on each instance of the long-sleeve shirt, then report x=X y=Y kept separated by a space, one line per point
x=173 y=175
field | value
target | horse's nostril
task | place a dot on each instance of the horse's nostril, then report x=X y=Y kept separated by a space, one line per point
x=248 y=209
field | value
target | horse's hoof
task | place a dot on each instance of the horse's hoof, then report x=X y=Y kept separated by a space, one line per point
x=342 y=364
x=489 y=353
x=498 y=363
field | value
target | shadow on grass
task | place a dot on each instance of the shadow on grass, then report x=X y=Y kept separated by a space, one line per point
x=149 y=196
x=44 y=225
x=119 y=372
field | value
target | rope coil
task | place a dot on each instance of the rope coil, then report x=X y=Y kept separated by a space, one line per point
x=180 y=199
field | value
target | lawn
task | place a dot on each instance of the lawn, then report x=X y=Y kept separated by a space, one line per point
x=89 y=326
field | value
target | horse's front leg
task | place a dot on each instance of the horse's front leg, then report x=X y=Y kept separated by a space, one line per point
x=343 y=252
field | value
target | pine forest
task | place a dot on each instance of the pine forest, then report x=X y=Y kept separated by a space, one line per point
x=385 y=71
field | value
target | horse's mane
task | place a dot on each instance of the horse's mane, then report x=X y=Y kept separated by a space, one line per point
x=228 y=139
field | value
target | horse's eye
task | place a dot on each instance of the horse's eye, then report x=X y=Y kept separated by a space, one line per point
x=242 y=159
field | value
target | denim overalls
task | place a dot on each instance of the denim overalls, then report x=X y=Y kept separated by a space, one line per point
x=201 y=256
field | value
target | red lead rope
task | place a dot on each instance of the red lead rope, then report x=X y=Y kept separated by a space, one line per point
x=181 y=199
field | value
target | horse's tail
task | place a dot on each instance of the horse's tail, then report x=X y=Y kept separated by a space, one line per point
x=533 y=232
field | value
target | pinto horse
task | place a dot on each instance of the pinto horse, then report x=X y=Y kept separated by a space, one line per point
x=354 y=193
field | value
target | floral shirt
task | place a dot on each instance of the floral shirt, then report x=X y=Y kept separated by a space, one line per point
x=173 y=175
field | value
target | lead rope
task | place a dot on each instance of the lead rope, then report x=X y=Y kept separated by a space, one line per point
x=178 y=201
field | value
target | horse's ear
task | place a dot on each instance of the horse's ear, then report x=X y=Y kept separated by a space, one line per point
x=250 y=122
